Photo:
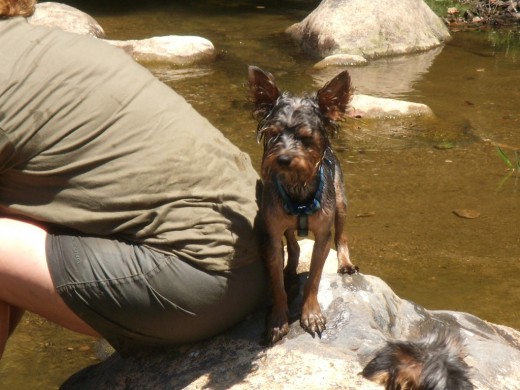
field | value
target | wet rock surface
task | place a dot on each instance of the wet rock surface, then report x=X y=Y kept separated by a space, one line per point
x=362 y=312
x=363 y=106
x=341 y=60
x=179 y=50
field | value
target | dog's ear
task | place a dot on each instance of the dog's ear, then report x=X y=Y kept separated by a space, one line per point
x=263 y=89
x=334 y=97
x=396 y=366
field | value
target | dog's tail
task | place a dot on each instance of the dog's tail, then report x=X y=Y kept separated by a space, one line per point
x=434 y=363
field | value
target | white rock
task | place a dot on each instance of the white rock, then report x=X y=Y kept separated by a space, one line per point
x=179 y=50
x=57 y=15
x=375 y=107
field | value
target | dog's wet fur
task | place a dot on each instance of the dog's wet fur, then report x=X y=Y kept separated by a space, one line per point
x=433 y=363
x=303 y=189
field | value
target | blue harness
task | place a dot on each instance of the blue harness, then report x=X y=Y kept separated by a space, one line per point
x=302 y=211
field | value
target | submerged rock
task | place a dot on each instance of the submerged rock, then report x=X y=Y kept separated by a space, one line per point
x=369 y=28
x=362 y=313
x=341 y=60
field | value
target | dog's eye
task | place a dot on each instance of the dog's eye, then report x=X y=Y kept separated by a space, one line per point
x=273 y=132
x=304 y=132
x=270 y=134
x=267 y=133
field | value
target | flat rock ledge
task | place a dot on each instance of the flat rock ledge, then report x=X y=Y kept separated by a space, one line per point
x=370 y=107
x=175 y=49
x=362 y=312
x=171 y=49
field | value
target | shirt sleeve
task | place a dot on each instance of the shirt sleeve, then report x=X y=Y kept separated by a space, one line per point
x=6 y=151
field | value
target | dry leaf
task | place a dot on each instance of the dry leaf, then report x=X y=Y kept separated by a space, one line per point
x=466 y=213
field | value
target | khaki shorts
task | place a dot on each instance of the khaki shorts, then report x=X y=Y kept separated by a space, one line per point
x=136 y=297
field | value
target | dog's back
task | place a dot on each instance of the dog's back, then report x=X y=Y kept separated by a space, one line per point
x=434 y=363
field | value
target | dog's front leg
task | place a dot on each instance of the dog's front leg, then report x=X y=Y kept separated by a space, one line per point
x=345 y=266
x=312 y=320
x=278 y=324
x=290 y=275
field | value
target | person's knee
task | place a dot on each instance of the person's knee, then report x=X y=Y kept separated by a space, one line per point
x=20 y=241
x=23 y=261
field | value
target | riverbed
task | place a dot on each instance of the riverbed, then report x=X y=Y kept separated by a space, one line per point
x=407 y=179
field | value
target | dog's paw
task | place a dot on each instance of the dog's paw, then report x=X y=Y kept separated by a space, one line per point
x=313 y=323
x=348 y=269
x=276 y=333
x=277 y=325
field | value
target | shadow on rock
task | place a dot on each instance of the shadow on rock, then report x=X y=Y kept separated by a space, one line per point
x=219 y=363
x=362 y=312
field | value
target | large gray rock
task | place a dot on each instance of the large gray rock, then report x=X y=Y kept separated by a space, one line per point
x=369 y=28
x=57 y=15
x=362 y=313
x=171 y=49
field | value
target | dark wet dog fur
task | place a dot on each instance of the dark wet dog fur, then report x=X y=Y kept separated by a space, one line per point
x=302 y=189
x=434 y=363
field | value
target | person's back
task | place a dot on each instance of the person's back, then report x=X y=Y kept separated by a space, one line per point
x=103 y=147
x=125 y=212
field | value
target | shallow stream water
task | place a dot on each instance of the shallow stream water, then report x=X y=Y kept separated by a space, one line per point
x=404 y=177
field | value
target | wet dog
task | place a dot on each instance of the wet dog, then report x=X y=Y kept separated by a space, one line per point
x=302 y=189
x=434 y=363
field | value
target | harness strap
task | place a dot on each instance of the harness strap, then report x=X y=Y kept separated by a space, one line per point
x=302 y=211
x=303 y=225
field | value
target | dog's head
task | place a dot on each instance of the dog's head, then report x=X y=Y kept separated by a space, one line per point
x=434 y=363
x=296 y=130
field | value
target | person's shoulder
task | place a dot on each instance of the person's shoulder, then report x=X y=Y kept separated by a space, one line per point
x=17 y=22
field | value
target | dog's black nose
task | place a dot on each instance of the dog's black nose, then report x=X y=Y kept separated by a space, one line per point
x=284 y=160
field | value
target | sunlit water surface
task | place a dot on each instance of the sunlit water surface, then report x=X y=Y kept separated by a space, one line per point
x=404 y=177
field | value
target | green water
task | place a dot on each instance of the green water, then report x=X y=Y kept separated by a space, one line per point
x=404 y=177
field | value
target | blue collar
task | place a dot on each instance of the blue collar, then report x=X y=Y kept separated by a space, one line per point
x=302 y=211
x=309 y=208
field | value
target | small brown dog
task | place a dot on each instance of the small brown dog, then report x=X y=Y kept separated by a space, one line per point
x=303 y=189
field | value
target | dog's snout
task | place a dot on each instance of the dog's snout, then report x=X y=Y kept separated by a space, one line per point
x=284 y=160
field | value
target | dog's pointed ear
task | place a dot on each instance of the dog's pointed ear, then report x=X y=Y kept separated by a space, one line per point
x=263 y=89
x=334 y=97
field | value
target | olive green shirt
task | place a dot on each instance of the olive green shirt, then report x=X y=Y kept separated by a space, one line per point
x=92 y=141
